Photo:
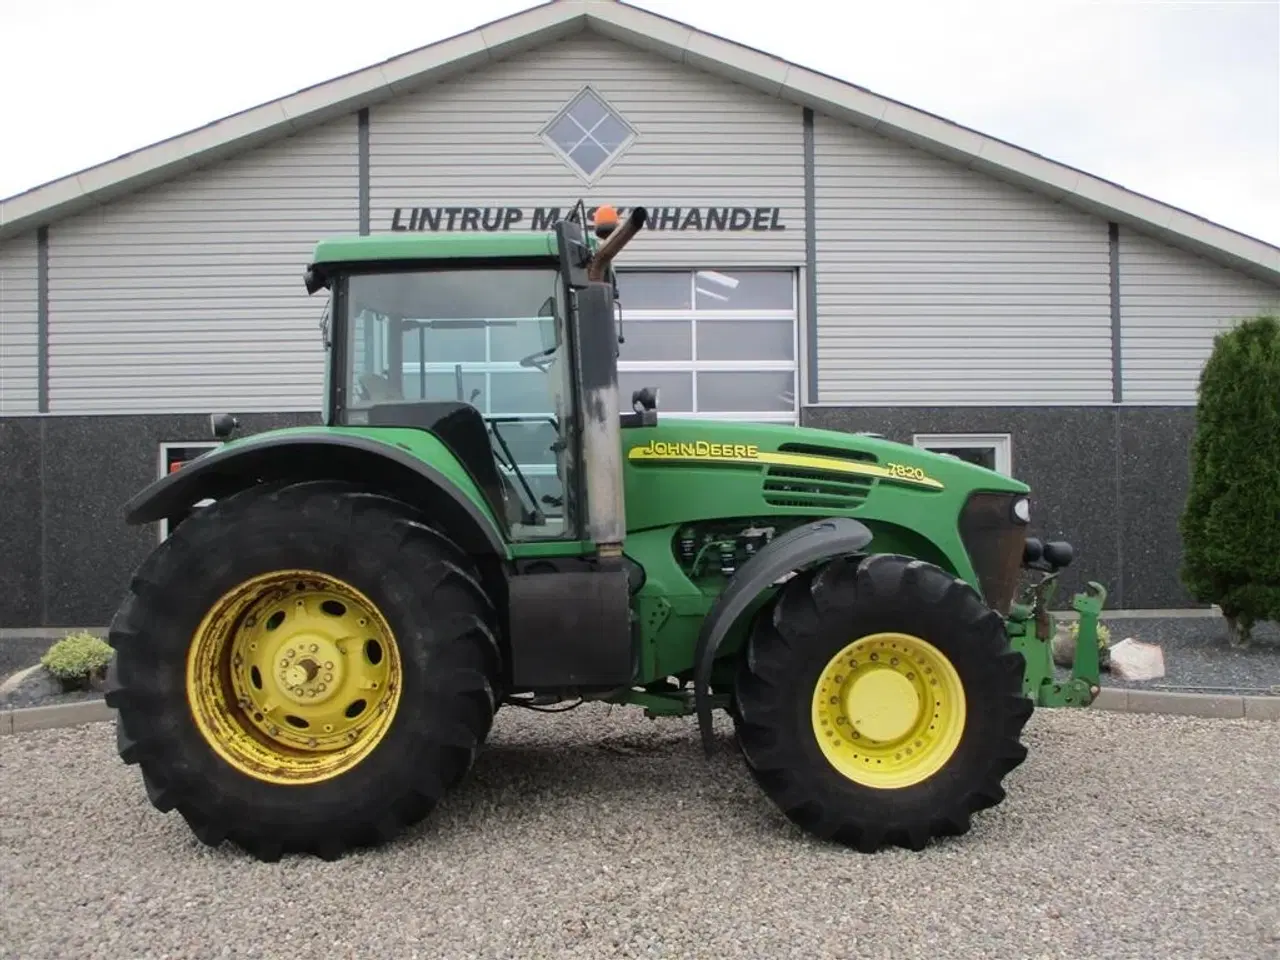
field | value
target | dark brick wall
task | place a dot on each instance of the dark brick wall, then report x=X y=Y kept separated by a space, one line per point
x=1111 y=480
x=67 y=553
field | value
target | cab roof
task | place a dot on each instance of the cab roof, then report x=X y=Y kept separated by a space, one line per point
x=384 y=247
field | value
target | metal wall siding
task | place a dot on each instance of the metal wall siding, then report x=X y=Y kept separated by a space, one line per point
x=188 y=297
x=19 y=386
x=1172 y=305
x=939 y=285
x=701 y=142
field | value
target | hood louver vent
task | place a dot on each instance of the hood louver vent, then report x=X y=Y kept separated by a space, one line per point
x=812 y=487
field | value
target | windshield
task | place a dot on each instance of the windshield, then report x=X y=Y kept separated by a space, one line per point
x=487 y=338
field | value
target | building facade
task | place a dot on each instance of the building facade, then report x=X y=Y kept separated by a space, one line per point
x=818 y=255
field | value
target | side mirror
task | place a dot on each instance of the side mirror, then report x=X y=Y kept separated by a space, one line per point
x=574 y=253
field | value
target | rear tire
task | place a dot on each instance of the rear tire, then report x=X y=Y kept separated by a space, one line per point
x=897 y=738
x=347 y=579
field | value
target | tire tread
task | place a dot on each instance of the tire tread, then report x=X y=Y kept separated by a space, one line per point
x=806 y=620
x=458 y=655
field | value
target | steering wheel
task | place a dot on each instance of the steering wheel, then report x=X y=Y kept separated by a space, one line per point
x=539 y=361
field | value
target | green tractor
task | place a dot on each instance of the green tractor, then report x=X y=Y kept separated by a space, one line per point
x=313 y=656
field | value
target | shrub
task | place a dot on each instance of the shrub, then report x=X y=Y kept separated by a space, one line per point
x=1104 y=634
x=1066 y=633
x=1229 y=526
x=77 y=658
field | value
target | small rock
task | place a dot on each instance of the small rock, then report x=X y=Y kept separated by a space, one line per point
x=30 y=685
x=1063 y=648
x=1134 y=660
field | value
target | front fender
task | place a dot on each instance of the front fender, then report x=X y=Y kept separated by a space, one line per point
x=805 y=545
x=320 y=455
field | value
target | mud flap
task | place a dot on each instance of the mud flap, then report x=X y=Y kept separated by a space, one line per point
x=571 y=630
x=812 y=543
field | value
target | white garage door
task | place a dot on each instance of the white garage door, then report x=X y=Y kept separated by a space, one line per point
x=719 y=344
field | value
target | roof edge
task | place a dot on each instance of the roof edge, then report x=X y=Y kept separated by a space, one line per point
x=842 y=100
x=675 y=40
x=289 y=115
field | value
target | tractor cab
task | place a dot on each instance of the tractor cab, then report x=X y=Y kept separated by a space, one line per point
x=489 y=342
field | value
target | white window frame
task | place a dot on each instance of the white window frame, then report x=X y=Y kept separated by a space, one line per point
x=589 y=178
x=1001 y=443
x=162 y=468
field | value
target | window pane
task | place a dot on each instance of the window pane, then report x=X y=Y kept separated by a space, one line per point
x=565 y=133
x=589 y=155
x=457 y=340
x=609 y=133
x=654 y=291
x=744 y=290
x=982 y=456
x=443 y=386
x=529 y=441
x=675 y=390
x=746 y=339
x=448 y=294
x=731 y=392
x=512 y=340
x=656 y=340
x=448 y=315
x=588 y=110
x=542 y=485
x=519 y=392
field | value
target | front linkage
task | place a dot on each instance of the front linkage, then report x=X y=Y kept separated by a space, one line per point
x=1031 y=629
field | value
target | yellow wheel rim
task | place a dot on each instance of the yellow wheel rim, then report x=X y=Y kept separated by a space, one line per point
x=293 y=677
x=888 y=710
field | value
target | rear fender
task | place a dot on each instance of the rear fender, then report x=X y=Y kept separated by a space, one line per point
x=320 y=456
x=805 y=545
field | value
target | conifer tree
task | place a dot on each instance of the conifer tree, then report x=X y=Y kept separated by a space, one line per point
x=1230 y=524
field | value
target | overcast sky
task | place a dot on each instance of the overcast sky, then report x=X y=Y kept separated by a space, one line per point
x=1177 y=100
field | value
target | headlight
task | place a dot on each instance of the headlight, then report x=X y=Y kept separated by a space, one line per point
x=1022 y=510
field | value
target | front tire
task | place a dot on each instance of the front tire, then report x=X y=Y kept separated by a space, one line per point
x=303 y=669
x=880 y=703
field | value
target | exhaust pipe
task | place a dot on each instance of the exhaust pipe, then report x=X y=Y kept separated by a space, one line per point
x=615 y=238
x=601 y=410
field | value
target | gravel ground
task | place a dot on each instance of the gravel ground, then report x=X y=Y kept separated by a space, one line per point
x=602 y=834
x=17 y=653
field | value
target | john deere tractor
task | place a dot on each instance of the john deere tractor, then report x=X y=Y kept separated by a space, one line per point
x=313 y=656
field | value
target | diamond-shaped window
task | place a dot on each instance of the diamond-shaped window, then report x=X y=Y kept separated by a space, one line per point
x=588 y=134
